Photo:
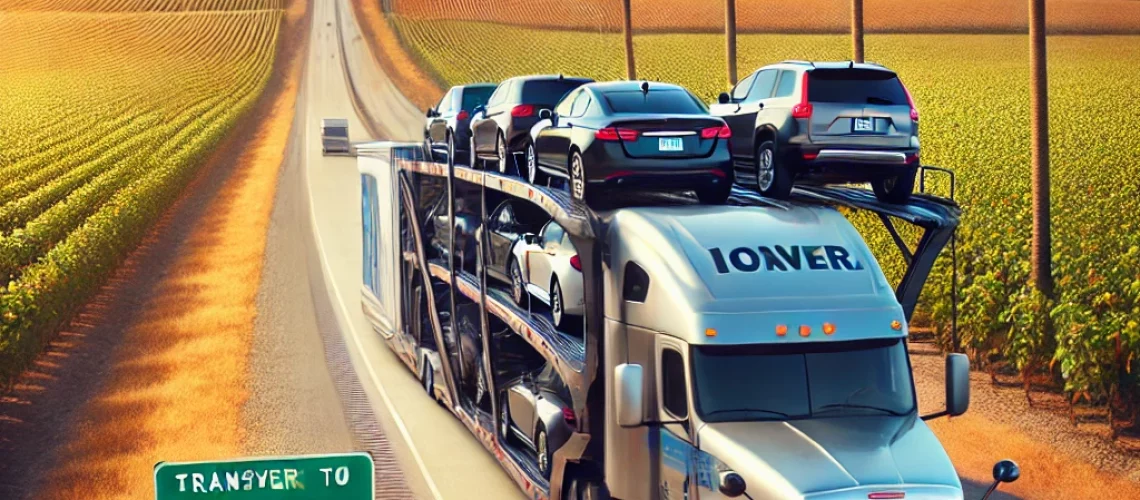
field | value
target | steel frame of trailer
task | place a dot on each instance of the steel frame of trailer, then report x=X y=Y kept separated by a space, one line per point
x=578 y=361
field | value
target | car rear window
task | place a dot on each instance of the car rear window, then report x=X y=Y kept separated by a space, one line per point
x=671 y=101
x=856 y=86
x=336 y=131
x=547 y=92
x=476 y=97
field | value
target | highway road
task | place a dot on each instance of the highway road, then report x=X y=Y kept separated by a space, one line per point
x=385 y=406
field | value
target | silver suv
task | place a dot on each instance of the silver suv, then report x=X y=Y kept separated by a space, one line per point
x=823 y=122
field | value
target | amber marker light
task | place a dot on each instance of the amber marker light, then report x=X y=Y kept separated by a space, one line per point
x=828 y=328
x=710 y=332
x=781 y=330
x=896 y=325
x=805 y=330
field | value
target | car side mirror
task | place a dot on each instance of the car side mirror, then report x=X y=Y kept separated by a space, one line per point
x=529 y=238
x=544 y=114
x=430 y=112
x=1005 y=471
x=628 y=380
x=723 y=98
x=957 y=386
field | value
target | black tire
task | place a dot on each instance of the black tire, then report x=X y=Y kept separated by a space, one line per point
x=451 y=148
x=542 y=451
x=474 y=156
x=504 y=155
x=518 y=286
x=533 y=174
x=428 y=154
x=427 y=378
x=895 y=189
x=714 y=195
x=557 y=304
x=504 y=419
x=577 y=182
x=781 y=180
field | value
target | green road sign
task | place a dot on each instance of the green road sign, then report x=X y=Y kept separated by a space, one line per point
x=347 y=476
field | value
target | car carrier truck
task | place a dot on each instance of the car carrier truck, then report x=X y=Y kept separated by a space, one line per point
x=752 y=350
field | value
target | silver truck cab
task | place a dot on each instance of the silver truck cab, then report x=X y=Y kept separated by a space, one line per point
x=760 y=350
x=334 y=136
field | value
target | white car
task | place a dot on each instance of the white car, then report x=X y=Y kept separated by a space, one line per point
x=547 y=267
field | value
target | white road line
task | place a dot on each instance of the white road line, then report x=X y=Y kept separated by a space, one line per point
x=346 y=323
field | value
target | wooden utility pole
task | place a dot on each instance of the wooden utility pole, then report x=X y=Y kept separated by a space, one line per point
x=730 y=39
x=1042 y=258
x=627 y=30
x=857 y=30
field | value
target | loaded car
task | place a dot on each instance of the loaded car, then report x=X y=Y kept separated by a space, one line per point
x=824 y=122
x=447 y=129
x=547 y=268
x=536 y=410
x=507 y=225
x=467 y=221
x=502 y=127
x=645 y=135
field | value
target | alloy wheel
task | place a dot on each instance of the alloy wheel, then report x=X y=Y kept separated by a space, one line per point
x=501 y=149
x=516 y=283
x=577 y=183
x=765 y=171
x=556 y=304
x=531 y=164
x=543 y=459
x=504 y=418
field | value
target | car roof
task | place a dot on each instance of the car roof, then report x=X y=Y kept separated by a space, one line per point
x=334 y=122
x=810 y=65
x=630 y=85
x=476 y=86
x=531 y=78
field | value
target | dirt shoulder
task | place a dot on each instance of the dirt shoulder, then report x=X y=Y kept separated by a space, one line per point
x=155 y=367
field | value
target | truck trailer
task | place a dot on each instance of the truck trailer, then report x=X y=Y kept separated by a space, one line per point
x=752 y=350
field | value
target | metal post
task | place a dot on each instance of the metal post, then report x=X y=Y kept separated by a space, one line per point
x=857 y=30
x=1042 y=241
x=730 y=39
x=627 y=31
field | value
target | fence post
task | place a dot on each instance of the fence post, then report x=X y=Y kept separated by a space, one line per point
x=730 y=39
x=857 y=30
x=1042 y=240
x=627 y=31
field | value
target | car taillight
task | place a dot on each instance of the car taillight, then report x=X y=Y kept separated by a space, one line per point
x=912 y=157
x=804 y=108
x=910 y=100
x=462 y=115
x=616 y=134
x=721 y=132
x=568 y=416
x=576 y=263
x=522 y=110
x=810 y=155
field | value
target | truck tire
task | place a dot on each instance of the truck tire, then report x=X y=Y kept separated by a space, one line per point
x=895 y=189
x=773 y=178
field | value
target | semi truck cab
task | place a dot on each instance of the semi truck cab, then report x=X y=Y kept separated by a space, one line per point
x=760 y=353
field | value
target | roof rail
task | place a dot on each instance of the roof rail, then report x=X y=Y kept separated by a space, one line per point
x=797 y=61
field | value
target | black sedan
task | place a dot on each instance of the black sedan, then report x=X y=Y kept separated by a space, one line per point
x=502 y=127
x=636 y=134
x=448 y=129
x=507 y=223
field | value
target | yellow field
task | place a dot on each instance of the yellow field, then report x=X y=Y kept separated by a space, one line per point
x=104 y=117
x=786 y=16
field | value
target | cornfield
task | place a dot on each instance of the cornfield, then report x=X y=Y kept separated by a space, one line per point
x=973 y=95
x=107 y=108
x=785 y=16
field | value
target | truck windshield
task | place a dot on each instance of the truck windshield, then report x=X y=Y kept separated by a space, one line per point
x=798 y=381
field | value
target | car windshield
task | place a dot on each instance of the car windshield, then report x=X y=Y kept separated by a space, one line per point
x=856 y=86
x=548 y=92
x=672 y=101
x=798 y=381
x=336 y=131
x=476 y=96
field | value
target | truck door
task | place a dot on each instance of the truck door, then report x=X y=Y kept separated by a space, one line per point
x=675 y=470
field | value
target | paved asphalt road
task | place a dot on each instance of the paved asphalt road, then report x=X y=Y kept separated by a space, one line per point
x=316 y=225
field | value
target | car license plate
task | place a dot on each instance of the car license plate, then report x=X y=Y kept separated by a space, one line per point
x=670 y=144
x=864 y=124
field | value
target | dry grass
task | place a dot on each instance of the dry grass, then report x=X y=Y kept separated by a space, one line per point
x=794 y=16
x=975 y=444
x=177 y=383
x=137 y=5
x=386 y=47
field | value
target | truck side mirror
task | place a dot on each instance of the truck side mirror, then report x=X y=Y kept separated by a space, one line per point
x=723 y=98
x=628 y=394
x=1005 y=471
x=957 y=387
x=430 y=113
x=544 y=114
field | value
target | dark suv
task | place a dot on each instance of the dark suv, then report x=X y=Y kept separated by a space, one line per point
x=823 y=122
x=503 y=126
x=447 y=128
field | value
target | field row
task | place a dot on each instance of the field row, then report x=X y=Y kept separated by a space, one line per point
x=785 y=16
x=138 y=5
x=103 y=120
x=972 y=92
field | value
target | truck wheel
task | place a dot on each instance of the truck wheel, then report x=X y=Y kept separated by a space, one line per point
x=504 y=155
x=895 y=189
x=518 y=287
x=557 y=307
x=542 y=450
x=773 y=179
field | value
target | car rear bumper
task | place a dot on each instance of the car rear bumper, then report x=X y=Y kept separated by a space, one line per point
x=846 y=164
x=604 y=165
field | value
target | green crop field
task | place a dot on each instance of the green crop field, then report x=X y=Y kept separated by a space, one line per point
x=973 y=95
x=104 y=118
